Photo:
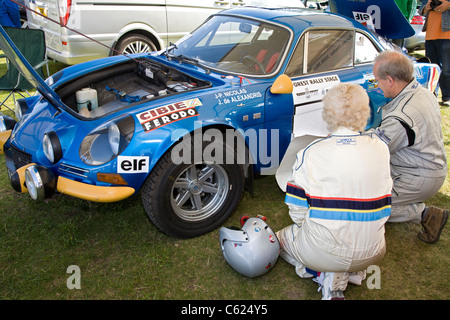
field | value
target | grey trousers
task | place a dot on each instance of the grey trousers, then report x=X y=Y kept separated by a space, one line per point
x=408 y=194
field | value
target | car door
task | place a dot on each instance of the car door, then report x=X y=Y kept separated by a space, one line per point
x=322 y=58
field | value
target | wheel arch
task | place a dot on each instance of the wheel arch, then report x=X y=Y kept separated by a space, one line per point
x=180 y=134
x=141 y=29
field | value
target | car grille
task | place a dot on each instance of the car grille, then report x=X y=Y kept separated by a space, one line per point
x=20 y=158
x=73 y=170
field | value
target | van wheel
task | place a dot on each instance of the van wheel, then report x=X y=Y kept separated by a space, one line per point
x=134 y=43
x=188 y=200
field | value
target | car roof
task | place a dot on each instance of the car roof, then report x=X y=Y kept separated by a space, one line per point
x=297 y=19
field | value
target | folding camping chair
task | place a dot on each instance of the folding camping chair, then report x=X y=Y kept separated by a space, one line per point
x=31 y=43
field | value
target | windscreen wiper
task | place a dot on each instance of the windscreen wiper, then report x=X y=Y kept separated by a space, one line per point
x=183 y=58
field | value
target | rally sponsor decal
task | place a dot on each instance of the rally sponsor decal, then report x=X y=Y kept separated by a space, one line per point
x=160 y=116
x=365 y=19
x=132 y=164
x=313 y=89
x=308 y=94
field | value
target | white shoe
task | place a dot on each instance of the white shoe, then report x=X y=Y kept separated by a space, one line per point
x=357 y=277
x=332 y=285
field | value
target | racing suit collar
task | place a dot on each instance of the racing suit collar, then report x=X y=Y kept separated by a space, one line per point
x=407 y=92
x=343 y=131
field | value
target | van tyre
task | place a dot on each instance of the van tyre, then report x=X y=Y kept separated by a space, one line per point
x=190 y=199
x=135 y=43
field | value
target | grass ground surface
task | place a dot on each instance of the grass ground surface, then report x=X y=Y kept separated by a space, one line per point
x=121 y=255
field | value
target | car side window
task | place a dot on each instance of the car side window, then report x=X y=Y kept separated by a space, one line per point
x=329 y=49
x=365 y=50
x=295 y=67
x=321 y=51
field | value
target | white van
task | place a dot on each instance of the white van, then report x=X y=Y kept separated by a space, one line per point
x=122 y=26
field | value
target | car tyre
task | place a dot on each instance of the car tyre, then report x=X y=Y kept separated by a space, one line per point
x=190 y=199
x=135 y=43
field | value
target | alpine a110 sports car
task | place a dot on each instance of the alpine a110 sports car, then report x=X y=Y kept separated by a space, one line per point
x=188 y=126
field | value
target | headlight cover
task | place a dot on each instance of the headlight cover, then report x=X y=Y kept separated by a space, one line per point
x=52 y=147
x=20 y=107
x=107 y=141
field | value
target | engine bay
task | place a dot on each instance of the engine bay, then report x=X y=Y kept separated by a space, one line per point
x=124 y=85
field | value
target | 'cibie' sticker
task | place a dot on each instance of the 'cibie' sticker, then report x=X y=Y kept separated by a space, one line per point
x=160 y=116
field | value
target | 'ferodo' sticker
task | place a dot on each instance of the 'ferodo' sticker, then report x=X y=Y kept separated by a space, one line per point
x=157 y=117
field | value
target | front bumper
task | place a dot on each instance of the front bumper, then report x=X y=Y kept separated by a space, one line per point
x=91 y=192
x=4 y=136
x=41 y=183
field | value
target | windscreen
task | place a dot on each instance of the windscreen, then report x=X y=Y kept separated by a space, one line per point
x=236 y=45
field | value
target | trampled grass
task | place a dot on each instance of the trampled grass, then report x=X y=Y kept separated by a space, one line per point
x=121 y=255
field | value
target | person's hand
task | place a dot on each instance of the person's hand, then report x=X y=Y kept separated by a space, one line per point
x=427 y=7
x=442 y=7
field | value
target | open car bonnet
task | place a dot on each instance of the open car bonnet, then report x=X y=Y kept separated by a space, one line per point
x=27 y=71
x=383 y=17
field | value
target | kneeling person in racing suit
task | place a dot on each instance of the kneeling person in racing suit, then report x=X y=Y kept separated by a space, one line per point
x=339 y=198
x=411 y=126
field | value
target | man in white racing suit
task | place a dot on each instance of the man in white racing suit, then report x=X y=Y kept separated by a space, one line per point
x=411 y=125
x=340 y=196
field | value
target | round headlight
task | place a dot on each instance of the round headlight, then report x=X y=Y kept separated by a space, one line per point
x=40 y=182
x=6 y=123
x=2 y=124
x=52 y=147
x=20 y=108
x=34 y=183
x=107 y=141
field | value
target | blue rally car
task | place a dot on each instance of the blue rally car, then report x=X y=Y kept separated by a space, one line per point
x=188 y=126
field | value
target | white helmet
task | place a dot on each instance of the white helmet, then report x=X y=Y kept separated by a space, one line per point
x=252 y=250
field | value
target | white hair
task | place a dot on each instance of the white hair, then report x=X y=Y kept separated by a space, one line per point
x=346 y=105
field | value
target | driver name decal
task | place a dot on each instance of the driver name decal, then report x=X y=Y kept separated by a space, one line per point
x=160 y=116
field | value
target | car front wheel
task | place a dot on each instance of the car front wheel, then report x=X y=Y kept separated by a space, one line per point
x=189 y=199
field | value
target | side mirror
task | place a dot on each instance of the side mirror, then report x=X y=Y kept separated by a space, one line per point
x=245 y=28
x=282 y=84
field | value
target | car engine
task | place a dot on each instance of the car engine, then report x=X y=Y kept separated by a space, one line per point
x=124 y=85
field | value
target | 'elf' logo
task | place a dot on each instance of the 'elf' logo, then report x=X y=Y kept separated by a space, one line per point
x=132 y=164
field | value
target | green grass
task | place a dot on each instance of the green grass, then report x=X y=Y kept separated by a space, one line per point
x=121 y=255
